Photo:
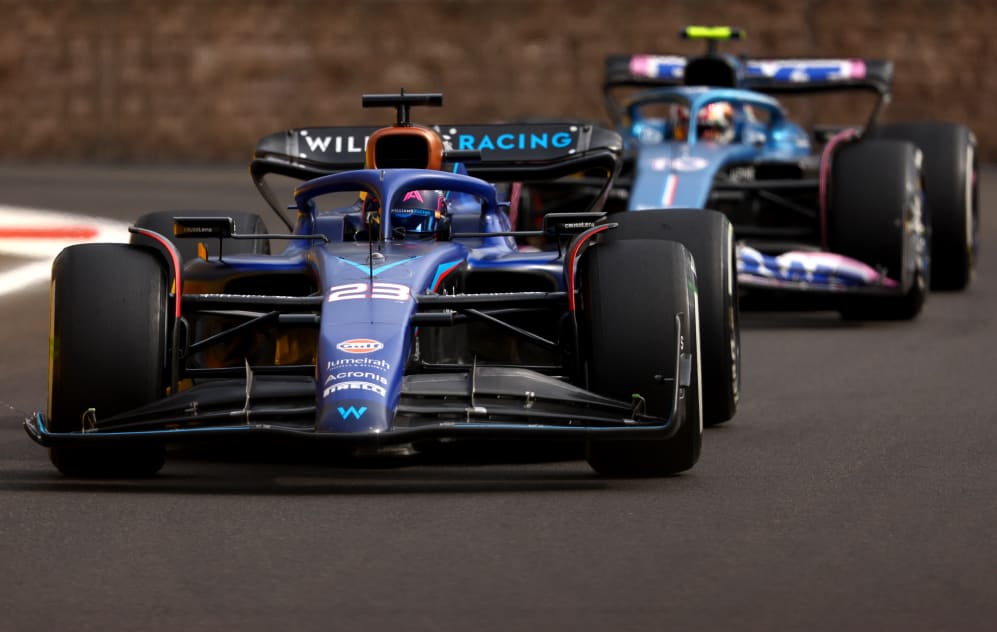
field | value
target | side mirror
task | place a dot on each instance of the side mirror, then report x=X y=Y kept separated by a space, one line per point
x=220 y=228
x=569 y=224
x=201 y=227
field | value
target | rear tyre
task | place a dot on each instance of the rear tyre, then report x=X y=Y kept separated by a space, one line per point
x=952 y=197
x=874 y=216
x=108 y=332
x=632 y=292
x=245 y=224
x=709 y=236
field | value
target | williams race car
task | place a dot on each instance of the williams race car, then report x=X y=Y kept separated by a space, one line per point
x=402 y=312
x=853 y=218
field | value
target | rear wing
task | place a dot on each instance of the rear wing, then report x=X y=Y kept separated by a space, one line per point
x=771 y=76
x=648 y=71
x=500 y=152
x=798 y=76
x=764 y=75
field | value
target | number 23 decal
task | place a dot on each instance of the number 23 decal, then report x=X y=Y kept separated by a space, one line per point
x=377 y=289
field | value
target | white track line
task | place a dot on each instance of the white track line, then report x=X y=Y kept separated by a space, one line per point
x=25 y=277
x=41 y=249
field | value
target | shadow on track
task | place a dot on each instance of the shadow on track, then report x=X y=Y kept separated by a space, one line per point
x=790 y=320
x=263 y=470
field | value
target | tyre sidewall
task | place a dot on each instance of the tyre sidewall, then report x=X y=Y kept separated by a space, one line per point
x=709 y=237
x=108 y=331
x=951 y=196
x=632 y=292
x=875 y=216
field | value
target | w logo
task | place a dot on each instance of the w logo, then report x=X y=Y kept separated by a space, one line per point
x=320 y=144
x=352 y=411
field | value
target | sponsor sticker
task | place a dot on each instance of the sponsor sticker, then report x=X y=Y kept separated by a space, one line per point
x=357 y=375
x=339 y=144
x=684 y=163
x=355 y=386
x=351 y=411
x=361 y=362
x=360 y=345
x=516 y=140
x=689 y=163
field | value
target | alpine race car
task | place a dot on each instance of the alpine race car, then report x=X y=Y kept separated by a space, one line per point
x=402 y=313
x=853 y=218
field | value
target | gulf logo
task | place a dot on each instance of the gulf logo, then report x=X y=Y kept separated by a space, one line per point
x=360 y=345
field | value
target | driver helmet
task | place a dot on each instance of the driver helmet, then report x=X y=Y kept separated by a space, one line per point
x=715 y=122
x=419 y=212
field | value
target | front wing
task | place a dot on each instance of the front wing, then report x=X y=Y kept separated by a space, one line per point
x=483 y=402
x=809 y=271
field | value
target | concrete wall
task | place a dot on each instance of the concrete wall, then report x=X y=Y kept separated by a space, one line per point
x=196 y=80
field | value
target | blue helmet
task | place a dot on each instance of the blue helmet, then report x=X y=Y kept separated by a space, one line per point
x=419 y=211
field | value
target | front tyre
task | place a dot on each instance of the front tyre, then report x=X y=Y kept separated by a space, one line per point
x=951 y=191
x=108 y=333
x=632 y=292
x=709 y=237
x=875 y=216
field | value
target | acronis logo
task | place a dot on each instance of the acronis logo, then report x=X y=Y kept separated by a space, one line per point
x=352 y=411
x=512 y=141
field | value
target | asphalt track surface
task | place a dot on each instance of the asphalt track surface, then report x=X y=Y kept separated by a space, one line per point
x=855 y=490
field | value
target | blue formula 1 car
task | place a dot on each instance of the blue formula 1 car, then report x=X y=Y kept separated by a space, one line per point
x=402 y=312
x=852 y=218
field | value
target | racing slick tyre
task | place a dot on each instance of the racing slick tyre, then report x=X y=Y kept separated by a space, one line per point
x=245 y=224
x=633 y=290
x=951 y=194
x=108 y=325
x=874 y=216
x=709 y=236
